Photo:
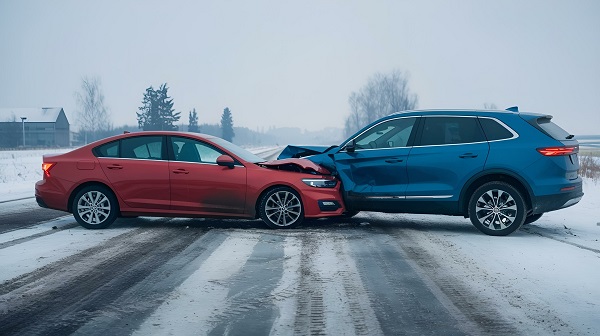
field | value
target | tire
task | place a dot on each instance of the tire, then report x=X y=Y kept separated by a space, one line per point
x=95 y=207
x=532 y=218
x=281 y=208
x=497 y=209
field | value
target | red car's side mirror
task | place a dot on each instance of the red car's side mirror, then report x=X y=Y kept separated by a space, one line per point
x=226 y=161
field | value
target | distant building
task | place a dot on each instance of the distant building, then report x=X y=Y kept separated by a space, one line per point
x=44 y=127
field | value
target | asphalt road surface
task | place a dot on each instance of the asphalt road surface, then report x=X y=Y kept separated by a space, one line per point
x=235 y=277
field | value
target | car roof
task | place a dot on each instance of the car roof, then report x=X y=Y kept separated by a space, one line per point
x=470 y=112
x=128 y=134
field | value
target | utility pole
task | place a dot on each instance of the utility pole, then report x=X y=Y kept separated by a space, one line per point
x=23 y=122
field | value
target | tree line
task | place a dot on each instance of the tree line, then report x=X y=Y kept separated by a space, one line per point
x=155 y=114
x=382 y=95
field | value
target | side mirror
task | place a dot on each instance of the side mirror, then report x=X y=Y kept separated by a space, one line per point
x=226 y=161
x=351 y=147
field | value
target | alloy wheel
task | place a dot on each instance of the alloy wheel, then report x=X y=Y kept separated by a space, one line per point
x=94 y=207
x=496 y=209
x=283 y=208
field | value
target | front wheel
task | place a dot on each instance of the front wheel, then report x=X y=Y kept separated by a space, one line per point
x=497 y=209
x=281 y=208
x=95 y=207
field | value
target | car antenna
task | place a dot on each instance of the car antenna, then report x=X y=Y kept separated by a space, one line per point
x=513 y=109
x=126 y=132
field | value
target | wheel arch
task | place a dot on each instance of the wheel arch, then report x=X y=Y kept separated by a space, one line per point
x=87 y=184
x=269 y=188
x=494 y=175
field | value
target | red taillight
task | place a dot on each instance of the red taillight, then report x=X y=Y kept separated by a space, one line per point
x=556 y=151
x=46 y=168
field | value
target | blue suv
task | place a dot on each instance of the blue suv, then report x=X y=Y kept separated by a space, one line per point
x=499 y=168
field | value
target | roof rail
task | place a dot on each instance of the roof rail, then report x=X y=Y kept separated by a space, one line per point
x=513 y=109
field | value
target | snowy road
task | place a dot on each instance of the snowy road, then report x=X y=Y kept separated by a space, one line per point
x=375 y=274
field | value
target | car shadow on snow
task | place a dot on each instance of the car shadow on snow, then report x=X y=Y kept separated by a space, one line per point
x=177 y=222
x=445 y=224
x=364 y=220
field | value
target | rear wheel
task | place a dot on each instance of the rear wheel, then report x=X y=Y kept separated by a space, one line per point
x=95 y=207
x=281 y=208
x=497 y=209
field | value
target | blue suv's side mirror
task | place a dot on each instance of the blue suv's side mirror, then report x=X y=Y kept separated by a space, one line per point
x=350 y=147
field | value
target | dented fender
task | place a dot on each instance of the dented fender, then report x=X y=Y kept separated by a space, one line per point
x=303 y=165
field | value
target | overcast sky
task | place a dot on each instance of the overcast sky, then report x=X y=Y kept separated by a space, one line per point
x=294 y=63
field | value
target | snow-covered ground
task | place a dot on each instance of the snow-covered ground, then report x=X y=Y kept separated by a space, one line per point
x=19 y=170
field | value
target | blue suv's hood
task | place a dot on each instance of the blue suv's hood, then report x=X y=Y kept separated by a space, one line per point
x=292 y=151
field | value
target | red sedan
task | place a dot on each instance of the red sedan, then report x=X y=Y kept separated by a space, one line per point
x=176 y=174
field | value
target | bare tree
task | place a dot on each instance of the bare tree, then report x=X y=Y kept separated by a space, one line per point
x=489 y=106
x=382 y=95
x=92 y=113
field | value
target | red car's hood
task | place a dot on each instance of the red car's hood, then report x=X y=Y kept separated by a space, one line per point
x=301 y=163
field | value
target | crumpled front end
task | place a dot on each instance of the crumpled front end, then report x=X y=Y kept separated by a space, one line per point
x=318 y=188
x=292 y=151
x=296 y=165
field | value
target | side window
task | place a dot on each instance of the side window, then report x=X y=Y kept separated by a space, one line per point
x=190 y=150
x=389 y=134
x=110 y=150
x=142 y=147
x=451 y=130
x=494 y=130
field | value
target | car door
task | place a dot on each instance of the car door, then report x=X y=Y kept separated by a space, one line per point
x=449 y=151
x=372 y=166
x=137 y=170
x=198 y=184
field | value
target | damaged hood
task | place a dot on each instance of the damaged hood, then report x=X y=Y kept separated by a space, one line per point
x=292 y=151
x=296 y=165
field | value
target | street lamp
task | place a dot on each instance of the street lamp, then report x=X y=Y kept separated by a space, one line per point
x=23 y=122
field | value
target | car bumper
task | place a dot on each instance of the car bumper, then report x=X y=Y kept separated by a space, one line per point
x=559 y=201
x=51 y=194
x=322 y=202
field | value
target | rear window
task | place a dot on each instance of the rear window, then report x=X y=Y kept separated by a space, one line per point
x=451 y=130
x=110 y=149
x=143 y=147
x=552 y=129
x=494 y=130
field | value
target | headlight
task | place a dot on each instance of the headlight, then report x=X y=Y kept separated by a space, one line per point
x=320 y=183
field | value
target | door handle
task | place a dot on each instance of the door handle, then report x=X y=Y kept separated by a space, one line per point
x=180 y=171
x=114 y=166
x=468 y=156
x=393 y=160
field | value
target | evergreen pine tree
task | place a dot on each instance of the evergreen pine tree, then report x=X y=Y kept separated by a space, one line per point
x=227 y=125
x=157 y=113
x=193 y=124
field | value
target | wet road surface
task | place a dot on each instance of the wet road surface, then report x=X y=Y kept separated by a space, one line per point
x=369 y=275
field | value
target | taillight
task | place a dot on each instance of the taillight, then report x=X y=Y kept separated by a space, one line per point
x=46 y=168
x=556 y=151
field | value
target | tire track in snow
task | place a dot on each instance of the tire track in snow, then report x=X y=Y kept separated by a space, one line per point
x=540 y=232
x=195 y=306
x=476 y=305
x=331 y=297
x=64 y=295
